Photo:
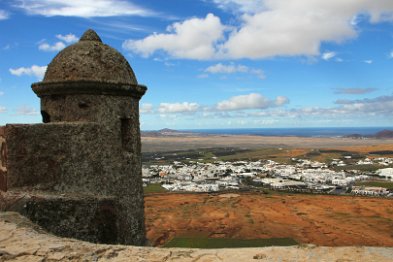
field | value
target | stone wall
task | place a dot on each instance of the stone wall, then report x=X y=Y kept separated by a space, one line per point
x=53 y=156
x=85 y=217
x=69 y=158
x=3 y=160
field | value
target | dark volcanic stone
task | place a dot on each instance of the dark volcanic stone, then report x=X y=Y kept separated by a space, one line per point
x=86 y=158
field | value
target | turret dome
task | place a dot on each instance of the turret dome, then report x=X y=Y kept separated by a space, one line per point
x=88 y=66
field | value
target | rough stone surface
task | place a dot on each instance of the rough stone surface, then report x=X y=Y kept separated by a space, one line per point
x=84 y=217
x=89 y=144
x=90 y=59
x=20 y=240
x=3 y=160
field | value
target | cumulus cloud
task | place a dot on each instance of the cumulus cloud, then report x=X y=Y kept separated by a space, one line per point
x=3 y=15
x=146 y=108
x=69 y=38
x=51 y=48
x=194 y=38
x=328 y=55
x=250 y=101
x=232 y=68
x=85 y=8
x=265 y=28
x=298 y=27
x=354 y=91
x=56 y=47
x=171 y=108
x=382 y=105
x=34 y=70
x=376 y=107
x=281 y=100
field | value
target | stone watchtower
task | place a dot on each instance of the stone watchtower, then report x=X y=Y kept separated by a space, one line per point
x=80 y=172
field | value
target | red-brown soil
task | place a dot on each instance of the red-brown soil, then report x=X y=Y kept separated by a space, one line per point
x=317 y=219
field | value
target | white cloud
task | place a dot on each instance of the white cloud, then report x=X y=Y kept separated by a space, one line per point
x=60 y=45
x=281 y=100
x=250 y=101
x=26 y=111
x=69 y=38
x=51 y=48
x=265 y=28
x=85 y=8
x=226 y=69
x=354 y=91
x=328 y=55
x=376 y=107
x=286 y=30
x=2 y=109
x=368 y=61
x=185 y=107
x=1 y=93
x=298 y=27
x=34 y=70
x=232 y=68
x=3 y=15
x=391 y=54
x=194 y=38
x=146 y=108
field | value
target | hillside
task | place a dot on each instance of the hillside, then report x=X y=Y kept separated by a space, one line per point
x=308 y=219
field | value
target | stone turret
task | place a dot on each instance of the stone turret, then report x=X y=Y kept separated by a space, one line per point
x=82 y=167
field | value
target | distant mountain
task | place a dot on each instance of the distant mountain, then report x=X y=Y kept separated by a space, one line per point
x=384 y=134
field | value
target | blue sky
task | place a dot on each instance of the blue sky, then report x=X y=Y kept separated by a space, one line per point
x=217 y=63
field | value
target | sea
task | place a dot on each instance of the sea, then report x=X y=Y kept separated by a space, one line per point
x=300 y=132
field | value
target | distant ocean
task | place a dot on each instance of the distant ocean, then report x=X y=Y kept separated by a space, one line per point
x=302 y=132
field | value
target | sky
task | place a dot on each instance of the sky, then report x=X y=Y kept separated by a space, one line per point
x=217 y=63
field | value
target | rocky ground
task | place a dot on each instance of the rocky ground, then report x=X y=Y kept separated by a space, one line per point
x=22 y=241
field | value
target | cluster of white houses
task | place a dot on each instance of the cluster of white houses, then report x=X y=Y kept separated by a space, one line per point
x=302 y=176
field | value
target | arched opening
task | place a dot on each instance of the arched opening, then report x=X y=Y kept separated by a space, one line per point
x=45 y=116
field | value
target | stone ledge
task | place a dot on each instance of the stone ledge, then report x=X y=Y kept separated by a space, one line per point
x=21 y=240
x=88 y=87
x=85 y=217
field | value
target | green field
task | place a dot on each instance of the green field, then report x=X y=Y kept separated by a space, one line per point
x=377 y=183
x=365 y=168
x=154 y=188
x=204 y=242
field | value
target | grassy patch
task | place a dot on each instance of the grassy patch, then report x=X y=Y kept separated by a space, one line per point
x=203 y=242
x=366 y=168
x=265 y=153
x=154 y=188
x=377 y=183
